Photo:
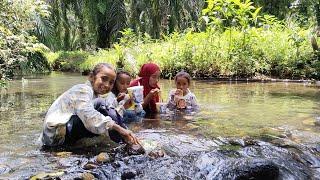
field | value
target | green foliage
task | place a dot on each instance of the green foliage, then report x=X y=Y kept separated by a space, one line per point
x=268 y=51
x=67 y=60
x=3 y=83
x=20 y=53
x=238 y=40
x=231 y=13
x=87 y=24
x=163 y=17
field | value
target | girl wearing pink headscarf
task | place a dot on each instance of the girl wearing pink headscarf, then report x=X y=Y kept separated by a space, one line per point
x=149 y=76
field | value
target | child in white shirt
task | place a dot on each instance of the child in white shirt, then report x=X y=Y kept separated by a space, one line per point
x=182 y=98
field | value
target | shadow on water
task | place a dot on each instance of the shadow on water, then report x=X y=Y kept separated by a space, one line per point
x=244 y=131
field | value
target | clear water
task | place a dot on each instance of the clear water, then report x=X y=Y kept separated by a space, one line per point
x=228 y=109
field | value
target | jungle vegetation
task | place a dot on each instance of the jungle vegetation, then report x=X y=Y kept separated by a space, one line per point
x=211 y=38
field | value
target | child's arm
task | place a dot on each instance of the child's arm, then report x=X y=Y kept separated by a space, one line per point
x=124 y=104
x=92 y=119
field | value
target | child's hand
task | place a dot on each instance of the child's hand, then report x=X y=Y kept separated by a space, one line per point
x=130 y=138
x=126 y=134
x=128 y=103
x=154 y=92
x=178 y=92
x=120 y=96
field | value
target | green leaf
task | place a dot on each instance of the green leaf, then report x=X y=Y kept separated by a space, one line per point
x=102 y=6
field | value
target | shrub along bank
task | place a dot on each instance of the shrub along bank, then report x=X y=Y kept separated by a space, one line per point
x=278 y=51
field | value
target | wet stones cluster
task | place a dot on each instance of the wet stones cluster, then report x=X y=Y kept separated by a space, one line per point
x=177 y=156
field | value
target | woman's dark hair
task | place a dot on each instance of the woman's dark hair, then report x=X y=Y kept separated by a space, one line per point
x=183 y=74
x=99 y=66
x=115 y=90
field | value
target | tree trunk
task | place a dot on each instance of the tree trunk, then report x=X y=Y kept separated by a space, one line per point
x=56 y=44
x=102 y=37
x=66 y=27
x=317 y=9
x=79 y=14
x=156 y=19
x=134 y=17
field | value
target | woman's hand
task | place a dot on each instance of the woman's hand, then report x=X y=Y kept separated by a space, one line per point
x=154 y=92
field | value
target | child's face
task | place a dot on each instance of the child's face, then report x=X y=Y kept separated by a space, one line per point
x=154 y=79
x=123 y=83
x=103 y=82
x=183 y=84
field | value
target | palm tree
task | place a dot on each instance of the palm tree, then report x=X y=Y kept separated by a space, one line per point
x=109 y=19
x=166 y=15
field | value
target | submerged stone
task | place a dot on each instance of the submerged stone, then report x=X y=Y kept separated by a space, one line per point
x=89 y=166
x=63 y=154
x=156 y=153
x=135 y=149
x=45 y=175
x=128 y=174
x=87 y=176
x=256 y=169
x=103 y=158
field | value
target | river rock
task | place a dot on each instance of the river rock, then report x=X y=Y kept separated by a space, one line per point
x=251 y=169
x=45 y=175
x=317 y=122
x=103 y=158
x=87 y=176
x=237 y=142
x=135 y=149
x=89 y=166
x=156 y=153
x=63 y=154
x=128 y=174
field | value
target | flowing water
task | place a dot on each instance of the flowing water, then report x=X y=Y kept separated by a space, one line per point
x=243 y=130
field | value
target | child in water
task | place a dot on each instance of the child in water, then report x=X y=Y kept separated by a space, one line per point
x=182 y=98
x=120 y=100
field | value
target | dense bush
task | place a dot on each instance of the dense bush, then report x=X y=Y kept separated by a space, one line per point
x=67 y=60
x=20 y=52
